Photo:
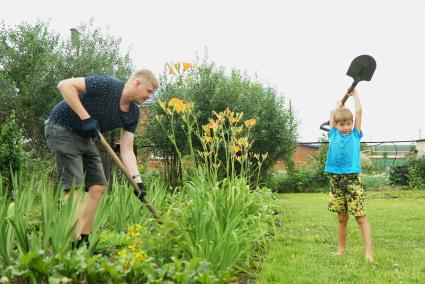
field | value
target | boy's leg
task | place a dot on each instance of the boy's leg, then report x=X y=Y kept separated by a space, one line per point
x=356 y=207
x=342 y=232
x=367 y=236
x=338 y=204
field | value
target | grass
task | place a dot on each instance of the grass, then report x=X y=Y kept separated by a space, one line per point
x=302 y=250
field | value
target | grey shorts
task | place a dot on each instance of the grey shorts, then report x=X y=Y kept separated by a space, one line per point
x=77 y=158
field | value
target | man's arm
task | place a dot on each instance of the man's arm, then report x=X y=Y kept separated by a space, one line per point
x=69 y=89
x=358 y=110
x=127 y=154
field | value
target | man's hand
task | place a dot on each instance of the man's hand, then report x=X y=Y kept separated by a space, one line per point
x=89 y=127
x=142 y=193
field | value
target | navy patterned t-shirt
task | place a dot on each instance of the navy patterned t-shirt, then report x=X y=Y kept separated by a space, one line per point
x=102 y=102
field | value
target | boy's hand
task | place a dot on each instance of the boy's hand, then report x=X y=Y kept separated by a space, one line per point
x=353 y=93
x=339 y=104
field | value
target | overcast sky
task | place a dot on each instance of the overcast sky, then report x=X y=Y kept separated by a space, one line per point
x=303 y=48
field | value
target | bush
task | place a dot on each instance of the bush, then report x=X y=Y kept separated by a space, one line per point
x=417 y=173
x=302 y=179
x=12 y=153
x=399 y=175
x=375 y=180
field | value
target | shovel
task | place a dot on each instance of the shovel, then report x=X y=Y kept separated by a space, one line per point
x=361 y=69
x=121 y=166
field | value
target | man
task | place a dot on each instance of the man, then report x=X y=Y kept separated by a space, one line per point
x=91 y=104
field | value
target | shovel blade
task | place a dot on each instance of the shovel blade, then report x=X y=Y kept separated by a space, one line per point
x=362 y=68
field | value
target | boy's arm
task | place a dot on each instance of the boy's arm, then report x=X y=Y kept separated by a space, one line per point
x=331 y=119
x=358 y=110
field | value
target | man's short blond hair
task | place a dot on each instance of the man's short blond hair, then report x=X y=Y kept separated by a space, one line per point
x=147 y=75
x=343 y=114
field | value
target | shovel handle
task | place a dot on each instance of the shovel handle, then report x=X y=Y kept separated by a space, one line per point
x=344 y=99
x=123 y=169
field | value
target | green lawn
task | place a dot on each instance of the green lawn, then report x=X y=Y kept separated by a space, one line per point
x=302 y=250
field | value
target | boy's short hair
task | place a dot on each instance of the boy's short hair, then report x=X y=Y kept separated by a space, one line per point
x=147 y=75
x=342 y=114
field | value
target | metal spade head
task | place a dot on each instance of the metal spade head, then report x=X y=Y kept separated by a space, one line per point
x=362 y=68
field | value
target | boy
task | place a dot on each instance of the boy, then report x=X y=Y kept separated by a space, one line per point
x=343 y=166
x=91 y=104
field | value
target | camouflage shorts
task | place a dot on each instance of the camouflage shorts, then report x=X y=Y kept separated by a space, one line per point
x=347 y=195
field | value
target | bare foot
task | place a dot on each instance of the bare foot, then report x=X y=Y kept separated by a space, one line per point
x=338 y=253
x=368 y=258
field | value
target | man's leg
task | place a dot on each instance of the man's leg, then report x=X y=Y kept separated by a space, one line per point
x=342 y=232
x=86 y=218
x=367 y=236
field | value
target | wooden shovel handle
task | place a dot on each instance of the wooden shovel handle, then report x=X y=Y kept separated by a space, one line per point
x=121 y=166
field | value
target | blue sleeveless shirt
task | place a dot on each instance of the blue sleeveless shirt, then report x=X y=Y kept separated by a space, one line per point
x=344 y=152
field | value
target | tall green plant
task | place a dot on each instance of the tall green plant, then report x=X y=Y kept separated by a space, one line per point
x=7 y=234
x=20 y=213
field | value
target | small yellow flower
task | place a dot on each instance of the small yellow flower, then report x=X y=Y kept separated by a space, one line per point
x=140 y=256
x=178 y=105
x=187 y=66
x=207 y=138
x=122 y=253
x=174 y=101
x=236 y=149
x=250 y=122
x=233 y=119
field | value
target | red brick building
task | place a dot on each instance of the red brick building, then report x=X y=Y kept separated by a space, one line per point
x=301 y=154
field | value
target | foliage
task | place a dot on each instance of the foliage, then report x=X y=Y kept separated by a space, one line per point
x=167 y=252
x=34 y=59
x=210 y=89
x=375 y=180
x=399 y=175
x=12 y=153
x=417 y=173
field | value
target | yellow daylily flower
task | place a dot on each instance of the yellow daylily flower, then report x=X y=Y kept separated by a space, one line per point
x=207 y=138
x=236 y=149
x=187 y=66
x=250 y=122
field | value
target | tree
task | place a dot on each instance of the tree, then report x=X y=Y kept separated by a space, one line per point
x=33 y=60
x=211 y=89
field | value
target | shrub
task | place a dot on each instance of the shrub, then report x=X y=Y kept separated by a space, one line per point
x=417 y=173
x=12 y=153
x=399 y=175
x=375 y=180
